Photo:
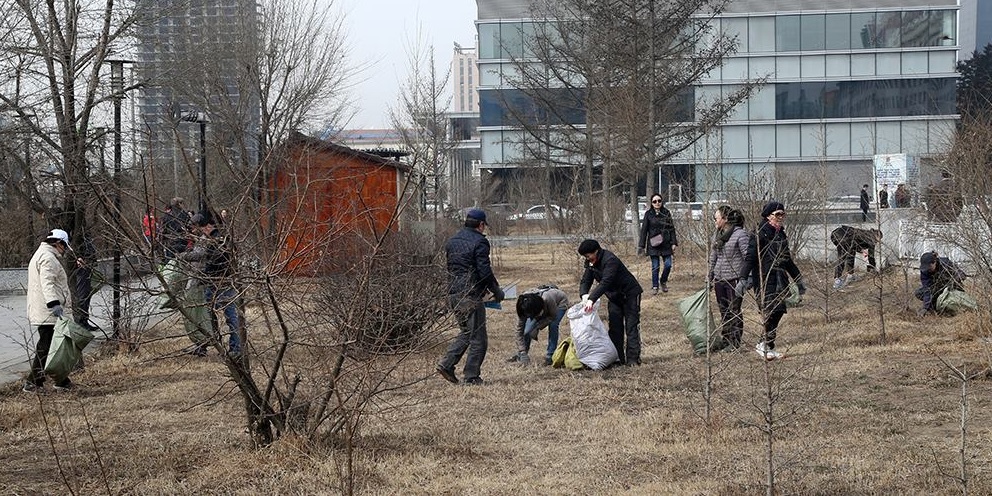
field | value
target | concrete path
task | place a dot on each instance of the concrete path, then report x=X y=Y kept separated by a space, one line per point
x=17 y=338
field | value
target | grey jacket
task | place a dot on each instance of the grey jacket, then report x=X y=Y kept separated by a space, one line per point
x=554 y=300
x=726 y=263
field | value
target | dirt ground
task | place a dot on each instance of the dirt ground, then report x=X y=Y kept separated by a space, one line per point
x=850 y=411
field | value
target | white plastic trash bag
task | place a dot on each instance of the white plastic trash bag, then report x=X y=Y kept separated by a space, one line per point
x=592 y=341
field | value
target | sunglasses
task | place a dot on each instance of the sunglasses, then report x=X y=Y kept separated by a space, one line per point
x=655 y=201
x=778 y=214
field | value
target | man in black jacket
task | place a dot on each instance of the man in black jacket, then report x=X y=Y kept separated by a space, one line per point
x=849 y=242
x=216 y=255
x=470 y=277
x=623 y=292
x=865 y=203
x=175 y=228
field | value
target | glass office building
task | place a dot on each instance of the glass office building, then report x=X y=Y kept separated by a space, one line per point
x=845 y=80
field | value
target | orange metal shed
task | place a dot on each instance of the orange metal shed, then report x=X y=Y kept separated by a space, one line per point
x=332 y=203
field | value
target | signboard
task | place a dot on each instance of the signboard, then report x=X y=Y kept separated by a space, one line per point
x=894 y=169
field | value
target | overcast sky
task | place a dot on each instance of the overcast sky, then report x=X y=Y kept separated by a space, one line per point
x=378 y=31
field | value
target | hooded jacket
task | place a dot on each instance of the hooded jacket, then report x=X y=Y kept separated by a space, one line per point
x=48 y=285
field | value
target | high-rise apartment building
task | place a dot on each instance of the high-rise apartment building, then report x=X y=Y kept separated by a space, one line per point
x=465 y=80
x=845 y=80
x=191 y=54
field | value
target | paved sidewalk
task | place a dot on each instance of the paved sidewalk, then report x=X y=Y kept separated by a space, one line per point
x=17 y=338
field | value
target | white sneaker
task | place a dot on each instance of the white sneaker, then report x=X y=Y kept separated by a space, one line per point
x=838 y=283
x=851 y=278
x=767 y=354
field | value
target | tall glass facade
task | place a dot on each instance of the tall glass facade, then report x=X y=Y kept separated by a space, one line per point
x=841 y=85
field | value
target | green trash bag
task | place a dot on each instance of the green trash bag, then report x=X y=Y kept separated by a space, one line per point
x=566 y=357
x=698 y=321
x=176 y=279
x=197 y=315
x=66 y=350
x=794 y=299
x=952 y=301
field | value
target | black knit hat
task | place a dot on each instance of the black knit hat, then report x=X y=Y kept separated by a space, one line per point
x=588 y=246
x=770 y=208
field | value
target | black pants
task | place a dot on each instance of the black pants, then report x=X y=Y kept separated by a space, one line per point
x=37 y=374
x=732 y=327
x=625 y=320
x=845 y=261
x=83 y=294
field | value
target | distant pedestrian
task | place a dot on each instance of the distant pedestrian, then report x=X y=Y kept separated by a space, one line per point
x=768 y=267
x=149 y=227
x=658 y=240
x=470 y=278
x=175 y=228
x=217 y=274
x=849 y=242
x=48 y=300
x=623 y=292
x=83 y=276
x=865 y=203
x=883 y=196
x=727 y=257
x=543 y=306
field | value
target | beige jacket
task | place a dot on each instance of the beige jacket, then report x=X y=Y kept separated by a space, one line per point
x=47 y=282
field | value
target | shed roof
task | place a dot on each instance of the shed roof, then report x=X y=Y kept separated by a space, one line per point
x=300 y=139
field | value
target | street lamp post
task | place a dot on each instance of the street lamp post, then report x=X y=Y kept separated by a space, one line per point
x=202 y=119
x=117 y=87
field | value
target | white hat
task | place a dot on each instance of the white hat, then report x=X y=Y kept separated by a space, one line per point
x=58 y=235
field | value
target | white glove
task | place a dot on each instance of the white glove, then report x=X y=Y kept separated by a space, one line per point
x=586 y=304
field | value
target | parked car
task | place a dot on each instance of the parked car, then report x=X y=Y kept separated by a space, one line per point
x=683 y=210
x=642 y=207
x=540 y=212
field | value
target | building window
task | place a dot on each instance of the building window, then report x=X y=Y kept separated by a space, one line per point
x=853 y=99
x=837 y=30
x=787 y=33
x=812 y=32
x=863 y=30
x=888 y=33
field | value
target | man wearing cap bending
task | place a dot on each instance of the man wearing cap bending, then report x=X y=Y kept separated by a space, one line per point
x=216 y=256
x=48 y=300
x=470 y=278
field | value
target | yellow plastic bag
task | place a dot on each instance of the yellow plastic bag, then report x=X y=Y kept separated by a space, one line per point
x=565 y=356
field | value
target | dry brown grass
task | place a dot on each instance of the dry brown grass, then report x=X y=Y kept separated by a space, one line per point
x=856 y=416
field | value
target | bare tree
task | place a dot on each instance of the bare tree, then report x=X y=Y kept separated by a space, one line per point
x=614 y=81
x=55 y=55
x=421 y=119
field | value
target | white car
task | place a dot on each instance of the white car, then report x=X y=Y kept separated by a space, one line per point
x=682 y=210
x=539 y=212
x=642 y=207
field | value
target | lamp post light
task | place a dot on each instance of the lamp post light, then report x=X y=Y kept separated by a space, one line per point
x=202 y=119
x=117 y=88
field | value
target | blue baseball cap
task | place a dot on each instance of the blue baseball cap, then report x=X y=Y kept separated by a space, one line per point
x=477 y=214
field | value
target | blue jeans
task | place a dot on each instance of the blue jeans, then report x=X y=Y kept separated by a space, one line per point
x=553 y=327
x=226 y=300
x=655 y=265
